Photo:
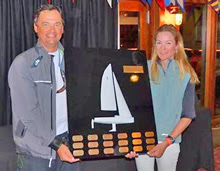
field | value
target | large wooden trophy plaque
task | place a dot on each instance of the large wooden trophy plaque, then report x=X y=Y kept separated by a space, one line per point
x=109 y=103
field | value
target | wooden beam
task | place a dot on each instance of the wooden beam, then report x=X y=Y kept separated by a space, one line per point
x=211 y=42
x=154 y=22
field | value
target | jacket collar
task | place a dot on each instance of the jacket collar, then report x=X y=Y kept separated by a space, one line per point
x=168 y=63
x=40 y=49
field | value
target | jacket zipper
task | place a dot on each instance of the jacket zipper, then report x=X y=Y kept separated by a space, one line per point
x=51 y=94
x=51 y=106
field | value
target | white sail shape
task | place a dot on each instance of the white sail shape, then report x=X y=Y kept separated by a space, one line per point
x=122 y=105
x=112 y=99
x=108 y=102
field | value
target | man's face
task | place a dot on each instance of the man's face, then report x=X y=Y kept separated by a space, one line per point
x=49 y=29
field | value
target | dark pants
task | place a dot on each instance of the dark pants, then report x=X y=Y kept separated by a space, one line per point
x=30 y=163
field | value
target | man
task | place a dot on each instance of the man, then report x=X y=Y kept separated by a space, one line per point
x=37 y=85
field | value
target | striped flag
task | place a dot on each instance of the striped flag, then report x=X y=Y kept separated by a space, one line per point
x=181 y=3
x=214 y=4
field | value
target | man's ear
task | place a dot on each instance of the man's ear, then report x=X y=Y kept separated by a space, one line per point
x=35 y=28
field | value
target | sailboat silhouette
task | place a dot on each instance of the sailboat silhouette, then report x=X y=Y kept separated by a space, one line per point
x=112 y=99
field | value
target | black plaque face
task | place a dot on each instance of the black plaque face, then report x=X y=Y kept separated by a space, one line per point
x=109 y=103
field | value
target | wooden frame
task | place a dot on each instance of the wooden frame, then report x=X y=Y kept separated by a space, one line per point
x=211 y=41
x=137 y=6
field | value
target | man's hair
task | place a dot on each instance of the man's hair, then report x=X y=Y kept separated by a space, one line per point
x=47 y=7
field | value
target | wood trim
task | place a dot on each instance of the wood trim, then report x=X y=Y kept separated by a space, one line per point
x=154 y=23
x=138 y=6
x=211 y=42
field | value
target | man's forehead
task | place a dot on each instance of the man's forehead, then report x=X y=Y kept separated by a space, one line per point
x=49 y=15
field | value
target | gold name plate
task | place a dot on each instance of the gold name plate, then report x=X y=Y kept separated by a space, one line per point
x=133 y=69
x=112 y=144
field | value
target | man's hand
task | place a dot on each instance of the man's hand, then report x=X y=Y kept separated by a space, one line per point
x=158 y=150
x=65 y=154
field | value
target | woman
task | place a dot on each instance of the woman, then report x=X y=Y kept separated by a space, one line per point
x=172 y=81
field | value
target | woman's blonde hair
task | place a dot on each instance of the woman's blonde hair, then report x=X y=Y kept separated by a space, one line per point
x=180 y=56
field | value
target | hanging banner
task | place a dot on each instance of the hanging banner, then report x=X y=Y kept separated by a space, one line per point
x=214 y=4
x=181 y=3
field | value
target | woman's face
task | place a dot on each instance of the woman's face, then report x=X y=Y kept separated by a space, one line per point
x=165 y=46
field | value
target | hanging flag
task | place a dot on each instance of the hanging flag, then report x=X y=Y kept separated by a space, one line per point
x=214 y=4
x=149 y=2
x=146 y=1
x=197 y=14
x=181 y=3
x=167 y=2
x=173 y=2
x=110 y=3
x=170 y=2
x=161 y=4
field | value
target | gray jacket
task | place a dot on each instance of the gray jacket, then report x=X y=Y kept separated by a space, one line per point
x=33 y=93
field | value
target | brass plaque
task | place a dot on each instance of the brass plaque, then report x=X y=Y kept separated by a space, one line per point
x=93 y=137
x=149 y=134
x=77 y=145
x=136 y=135
x=78 y=153
x=122 y=135
x=108 y=151
x=108 y=143
x=123 y=142
x=93 y=144
x=107 y=136
x=93 y=152
x=77 y=138
x=123 y=149
x=150 y=140
x=137 y=141
x=133 y=69
x=138 y=148
x=149 y=147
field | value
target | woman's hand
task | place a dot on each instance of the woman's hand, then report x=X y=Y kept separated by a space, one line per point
x=131 y=155
x=158 y=150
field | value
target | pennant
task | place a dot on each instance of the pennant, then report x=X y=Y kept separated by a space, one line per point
x=181 y=3
x=161 y=4
x=214 y=4
x=167 y=3
x=149 y=2
x=144 y=1
x=197 y=14
x=110 y=3
x=173 y=2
